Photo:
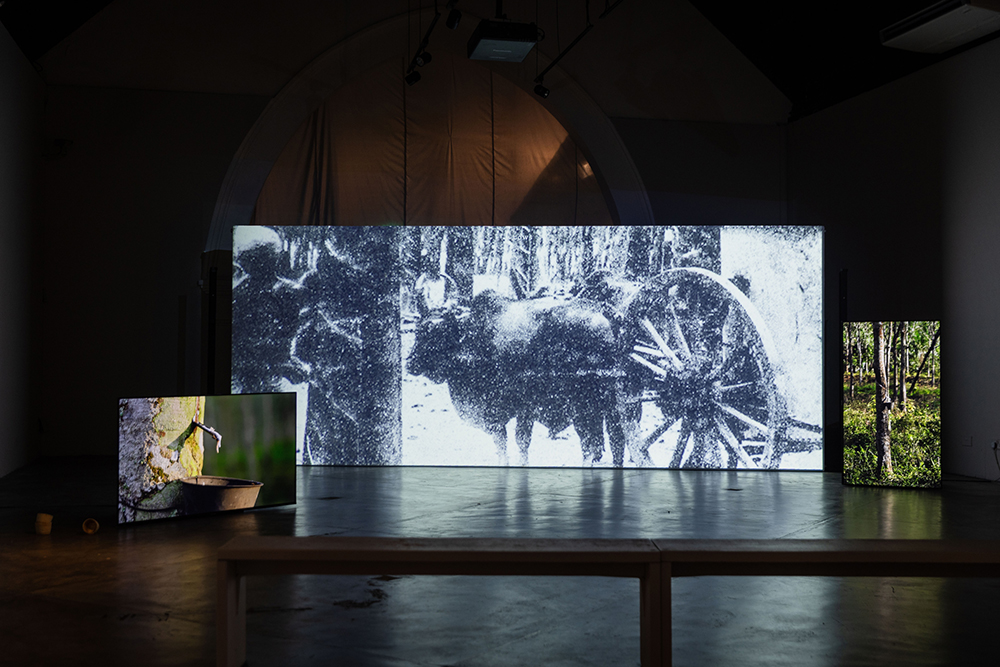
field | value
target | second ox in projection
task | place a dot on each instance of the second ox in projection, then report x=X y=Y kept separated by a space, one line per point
x=547 y=360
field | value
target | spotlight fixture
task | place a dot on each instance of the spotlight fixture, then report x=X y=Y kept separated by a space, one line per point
x=541 y=91
x=422 y=57
x=454 y=18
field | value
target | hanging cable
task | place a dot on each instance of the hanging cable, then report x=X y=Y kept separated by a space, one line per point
x=576 y=181
x=421 y=57
x=607 y=9
x=540 y=89
x=590 y=26
x=537 y=48
x=405 y=152
x=558 y=39
x=493 y=153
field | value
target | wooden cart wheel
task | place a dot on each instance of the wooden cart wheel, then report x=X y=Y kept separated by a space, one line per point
x=700 y=358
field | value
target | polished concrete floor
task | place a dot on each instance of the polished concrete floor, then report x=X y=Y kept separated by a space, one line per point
x=144 y=595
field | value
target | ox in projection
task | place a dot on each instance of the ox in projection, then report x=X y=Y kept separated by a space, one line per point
x=678 y=347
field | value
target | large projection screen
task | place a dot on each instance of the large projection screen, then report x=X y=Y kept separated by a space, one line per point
x=673 y=347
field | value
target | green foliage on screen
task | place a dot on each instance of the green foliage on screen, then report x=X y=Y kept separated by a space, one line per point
x=258 y=442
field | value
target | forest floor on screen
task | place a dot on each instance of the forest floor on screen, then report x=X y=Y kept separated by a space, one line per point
x=915 y=439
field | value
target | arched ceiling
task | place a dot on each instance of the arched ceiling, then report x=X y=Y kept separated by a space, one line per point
x=647 y=59
x=709 y=60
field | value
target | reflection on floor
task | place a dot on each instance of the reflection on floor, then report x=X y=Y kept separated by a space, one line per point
x=144 y=595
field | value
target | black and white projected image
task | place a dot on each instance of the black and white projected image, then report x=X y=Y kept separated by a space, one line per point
x=682 y=347
x=316 y=311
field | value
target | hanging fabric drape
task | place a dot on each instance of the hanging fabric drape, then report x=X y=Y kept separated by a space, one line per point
x=462 y=147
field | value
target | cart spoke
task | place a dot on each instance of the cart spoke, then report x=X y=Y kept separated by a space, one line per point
x=679 y=335
x=661 y=372
x=733 y=444
x=732 y=387
x=681 y=446
x=743 y=418
x=658 y=432
x=662 y=344
x=639 y=347
x=705 y=446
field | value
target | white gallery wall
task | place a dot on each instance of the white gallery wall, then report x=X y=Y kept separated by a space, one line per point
x=971 y=250
x=20 y=104
x=907 y=180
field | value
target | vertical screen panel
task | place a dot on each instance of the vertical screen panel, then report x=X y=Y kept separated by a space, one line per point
x=892 y=403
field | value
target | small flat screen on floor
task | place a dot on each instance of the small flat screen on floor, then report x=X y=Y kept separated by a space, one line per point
x=672 y=347
x=892 y=403
x=184 y=455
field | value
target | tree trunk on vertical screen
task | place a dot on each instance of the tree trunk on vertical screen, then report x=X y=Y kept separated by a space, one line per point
x=861 y=361
x=935 y=367
x=849 y=354
x=882 y=403
x=926 y=358
x=158 y=445
x=890 y=366
x=904 y=363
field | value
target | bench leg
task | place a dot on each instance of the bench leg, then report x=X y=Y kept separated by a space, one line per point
x=666 y=617
x=651 y=624
x=230 y=617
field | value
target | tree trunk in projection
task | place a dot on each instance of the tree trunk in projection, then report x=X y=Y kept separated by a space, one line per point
x=882 y=403
x=524 y=269
x=380 y=430
x=460 y=261
x=158 y=444
x=587 y=245
x=637 y=265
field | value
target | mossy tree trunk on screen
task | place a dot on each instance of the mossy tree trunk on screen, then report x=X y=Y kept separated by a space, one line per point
x=904 y=363
x=158 y=444
x=883 y=404
x=849 y=357
x=927 y=355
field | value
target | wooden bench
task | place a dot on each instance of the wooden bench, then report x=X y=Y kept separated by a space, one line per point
x=653 y=562
x=245 y=556
x=819 y=558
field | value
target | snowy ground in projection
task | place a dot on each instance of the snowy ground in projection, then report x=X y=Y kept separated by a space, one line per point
x=434 y=435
